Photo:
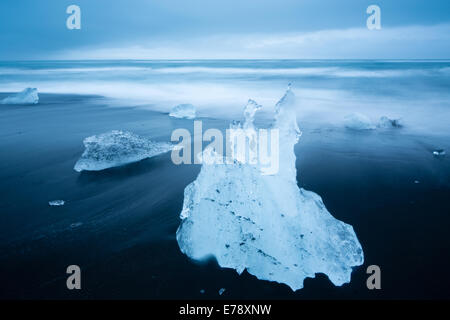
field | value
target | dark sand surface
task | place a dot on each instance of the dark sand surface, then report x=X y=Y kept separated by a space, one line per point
x=126 y=243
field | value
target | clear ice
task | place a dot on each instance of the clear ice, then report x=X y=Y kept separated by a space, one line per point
x=265 y=224
x=56 y=203
x=183 y=111
x=117 y=148
x=358 y=121
x=27 y=96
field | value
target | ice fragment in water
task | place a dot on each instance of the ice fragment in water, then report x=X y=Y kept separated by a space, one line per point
x=358 y=121
x=27 y=96
x=185 y=110
x=56 y=203
x=221 y=291
x=439 y=153
x=117 y=148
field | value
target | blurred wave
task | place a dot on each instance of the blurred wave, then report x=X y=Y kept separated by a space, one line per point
x=416 y=90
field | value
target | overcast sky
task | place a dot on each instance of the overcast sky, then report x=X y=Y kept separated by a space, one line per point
x=194 y=29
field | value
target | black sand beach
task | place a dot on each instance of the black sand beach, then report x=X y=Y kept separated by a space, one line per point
x=119 y=224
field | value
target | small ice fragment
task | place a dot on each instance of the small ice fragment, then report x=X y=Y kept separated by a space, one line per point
x=56 y=203
x=27 y=96
x=439 y=153
x=76 y=225
x=184 y=110
x=416 y=181
x=202 y=291
x=358 y=121
x=117 y=148
x=221 y=291
x=387 y=123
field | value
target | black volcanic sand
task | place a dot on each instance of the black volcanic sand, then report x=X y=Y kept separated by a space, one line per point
x=126 y=243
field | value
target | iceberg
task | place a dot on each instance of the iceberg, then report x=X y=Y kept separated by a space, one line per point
x=27 y=96
x=185 y=110
x=117 y=148
x=265 y=224
x=358 y=121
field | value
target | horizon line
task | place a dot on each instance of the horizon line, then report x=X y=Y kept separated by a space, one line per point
x=234 y=59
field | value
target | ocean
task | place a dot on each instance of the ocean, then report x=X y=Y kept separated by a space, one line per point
x=119 y=224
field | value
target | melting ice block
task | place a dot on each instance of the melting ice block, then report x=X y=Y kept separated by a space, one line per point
x=265 y=224
x=183 y=111
x=116 y=148
x=27 y=96
x=358 y=121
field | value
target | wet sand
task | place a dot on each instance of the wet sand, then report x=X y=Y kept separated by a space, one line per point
x=125 y=244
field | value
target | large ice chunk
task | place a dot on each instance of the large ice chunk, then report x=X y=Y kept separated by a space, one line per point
x=265 y=223
x=185 y=110
x=117 y=148
x=27 y=96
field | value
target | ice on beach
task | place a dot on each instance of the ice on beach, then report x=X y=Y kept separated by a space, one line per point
x=56 y=203
x=358 y=121
x=265 y=224
x=27 y=96
x=185 y=110
x=117 y=148
x=388 y=123
x=439 y=153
